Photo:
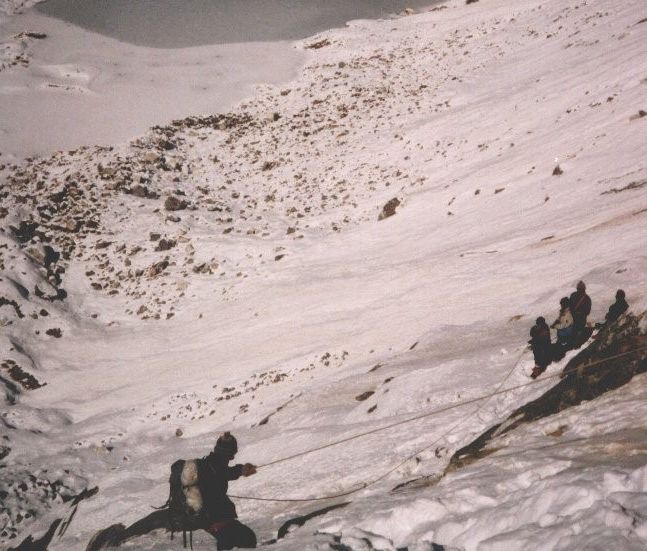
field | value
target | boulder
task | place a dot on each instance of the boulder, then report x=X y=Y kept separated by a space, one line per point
x=389 y=209
x=173 y=203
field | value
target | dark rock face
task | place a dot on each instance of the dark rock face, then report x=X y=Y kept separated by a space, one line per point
x=25 y=231
x=389 y=209
x=618 y=353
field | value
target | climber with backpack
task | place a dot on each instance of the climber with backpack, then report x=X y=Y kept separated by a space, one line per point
x=198 y=496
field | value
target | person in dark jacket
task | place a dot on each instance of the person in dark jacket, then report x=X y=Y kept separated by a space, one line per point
x=214 y=474
x=580 y=304
x=618 y=308
x=541 y=346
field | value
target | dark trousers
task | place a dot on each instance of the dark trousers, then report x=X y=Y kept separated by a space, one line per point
x=232 y=535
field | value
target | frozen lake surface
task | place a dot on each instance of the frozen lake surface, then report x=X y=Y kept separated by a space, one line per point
x=181 y=24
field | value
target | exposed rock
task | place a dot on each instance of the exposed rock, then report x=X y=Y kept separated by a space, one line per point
x=142 y=191
x=319 y=44
x=172 y=203
x=150 y=157
x=26 y=231
x=611 y=361
x=157 y=268
x=364 y=395
x=557 y=171
x=18 y=375
x=165 y=244
x=630 y=186
x=68 y=225
x=389 y=209
x=54 y=332
x=106 y=172
x=7 y=302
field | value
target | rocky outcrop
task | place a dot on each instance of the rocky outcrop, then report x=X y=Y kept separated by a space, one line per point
x=618 y=353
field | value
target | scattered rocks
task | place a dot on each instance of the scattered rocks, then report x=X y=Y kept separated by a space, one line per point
x=7 y=302
x=150 y=157
x=18 y=375
x=630 y=186
x=203 y=268
x=319 y=44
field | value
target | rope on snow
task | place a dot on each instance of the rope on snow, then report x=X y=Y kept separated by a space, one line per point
x=483 y=398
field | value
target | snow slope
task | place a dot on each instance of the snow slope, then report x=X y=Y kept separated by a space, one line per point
x=230 y=272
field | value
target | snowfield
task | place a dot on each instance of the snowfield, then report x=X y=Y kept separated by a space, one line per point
x=238 y=271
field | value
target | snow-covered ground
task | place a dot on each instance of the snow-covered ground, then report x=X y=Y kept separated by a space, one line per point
x=230 y=272
x=62 y=87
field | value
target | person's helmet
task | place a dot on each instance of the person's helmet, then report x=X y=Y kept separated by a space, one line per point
x=563 y=302
x=226 y=445
x=540 y=321
x=581 y=286
x=620 y=294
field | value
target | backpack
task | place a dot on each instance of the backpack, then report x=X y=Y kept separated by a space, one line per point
x=185 y=500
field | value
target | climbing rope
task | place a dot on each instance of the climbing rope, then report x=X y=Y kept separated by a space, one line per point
x=431 y=413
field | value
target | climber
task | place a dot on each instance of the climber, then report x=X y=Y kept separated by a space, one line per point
x=618 y=308
x=564 y=323
x=580 y=305
x=541 y=346
x=214 y=473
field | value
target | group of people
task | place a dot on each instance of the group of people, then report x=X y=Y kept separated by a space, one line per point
x=571 y=327
x=214 y=472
